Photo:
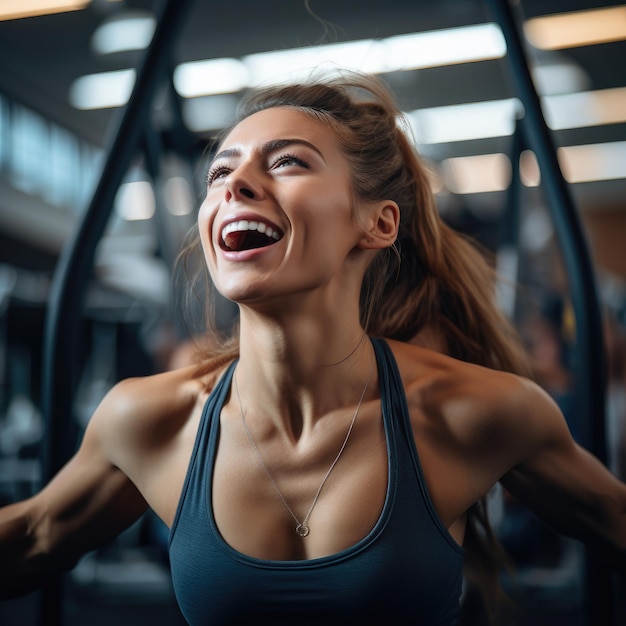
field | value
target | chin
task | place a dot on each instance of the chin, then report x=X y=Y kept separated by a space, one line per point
x=244 y=294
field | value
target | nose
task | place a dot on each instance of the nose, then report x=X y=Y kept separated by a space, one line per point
x=241 y=183
x=248 y=193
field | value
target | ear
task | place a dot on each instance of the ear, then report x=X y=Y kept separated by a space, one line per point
x=384 y=222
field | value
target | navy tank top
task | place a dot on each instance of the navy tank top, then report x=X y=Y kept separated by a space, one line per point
x=407 y=570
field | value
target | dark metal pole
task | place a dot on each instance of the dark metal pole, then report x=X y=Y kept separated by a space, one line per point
x=590 y=384
x=508 y=247
x=76 y=262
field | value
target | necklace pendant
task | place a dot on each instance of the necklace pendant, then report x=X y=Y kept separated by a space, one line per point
x=302 y=530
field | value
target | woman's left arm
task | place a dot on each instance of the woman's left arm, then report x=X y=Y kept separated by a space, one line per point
x=565 y=484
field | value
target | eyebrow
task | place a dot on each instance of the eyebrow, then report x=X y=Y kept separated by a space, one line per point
x=268 y=148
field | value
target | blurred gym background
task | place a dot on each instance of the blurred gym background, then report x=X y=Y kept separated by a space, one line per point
x=67 y=71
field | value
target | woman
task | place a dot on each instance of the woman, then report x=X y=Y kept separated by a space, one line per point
x=286 y=464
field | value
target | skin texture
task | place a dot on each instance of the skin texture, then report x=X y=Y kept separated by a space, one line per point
x=300 y=379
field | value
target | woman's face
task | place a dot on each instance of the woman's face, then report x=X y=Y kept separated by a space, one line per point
x=278 y=215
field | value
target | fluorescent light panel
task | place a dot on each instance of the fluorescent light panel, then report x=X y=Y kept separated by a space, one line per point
x=178 y=196
x=593 y=162
x=463 y=122
x=120 y=35
x=299 y=63
x=492 y=172
x=477 y=174
x=588 y=108
x=577 y=28
x=495 y=118
x=201 y=78
x=101 y=91
x=17 y=9
x=135 y=201
x=465 y=44
x=401 y=52
x=560 y=77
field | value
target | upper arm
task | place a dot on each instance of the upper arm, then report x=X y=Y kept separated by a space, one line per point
x=84 y=506
x=561 y=481
x=88 y=503
x=475 y=426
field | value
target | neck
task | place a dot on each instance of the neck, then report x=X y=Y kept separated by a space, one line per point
x=301 y=367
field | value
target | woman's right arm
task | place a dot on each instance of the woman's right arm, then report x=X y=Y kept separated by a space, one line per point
x=83 y=507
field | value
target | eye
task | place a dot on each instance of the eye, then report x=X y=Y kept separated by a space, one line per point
x=285 y=160
x=217 y=171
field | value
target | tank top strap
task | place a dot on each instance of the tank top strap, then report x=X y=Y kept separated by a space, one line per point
x=391 y=389
x=203 y=452
x=392 y=392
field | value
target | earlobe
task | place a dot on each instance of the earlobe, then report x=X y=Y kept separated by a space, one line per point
x=384 y=227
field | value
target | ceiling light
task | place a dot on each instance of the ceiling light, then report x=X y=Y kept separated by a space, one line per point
x=401 y=52
x=496 y=118
x=178 y=196
x=477 y=174
x=444 y=47
x=104 y=90
x=593 y=162
x=130 y=31
x=577 y=28
x=213 y=76
x=366 y=55
x=17 y=9
x=588 y=108
x=492 y=172
x=560 y=77
x=135 y=201
x=463 y=122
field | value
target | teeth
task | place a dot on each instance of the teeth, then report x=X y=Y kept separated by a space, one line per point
x=242 y=225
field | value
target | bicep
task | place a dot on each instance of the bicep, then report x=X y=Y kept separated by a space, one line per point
x=85 y=505
x=89 y=501
x=566 y=485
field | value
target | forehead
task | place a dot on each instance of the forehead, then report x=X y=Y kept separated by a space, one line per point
x=281 y=123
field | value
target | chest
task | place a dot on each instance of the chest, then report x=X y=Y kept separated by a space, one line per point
x=263 y=497
x=375 y=548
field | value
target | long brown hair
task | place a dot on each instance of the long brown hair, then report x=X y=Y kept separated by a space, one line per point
x=433 y=278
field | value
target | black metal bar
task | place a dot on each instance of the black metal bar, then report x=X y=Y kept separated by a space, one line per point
x=511 y=225
x=508 y=247
x=76 y=262
x=590 y=367
x=152 y=151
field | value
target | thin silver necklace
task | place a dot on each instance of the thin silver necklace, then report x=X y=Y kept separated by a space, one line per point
x=302 y=527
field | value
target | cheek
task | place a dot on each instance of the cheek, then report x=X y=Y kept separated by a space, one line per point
x=206 y=217
x=332 y=203
x=335 y=217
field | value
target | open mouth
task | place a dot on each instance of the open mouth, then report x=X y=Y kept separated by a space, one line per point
x=248 y=234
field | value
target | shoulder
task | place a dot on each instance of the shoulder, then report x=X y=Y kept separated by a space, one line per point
x=433 y=373
x=477 y=410
x=145 y=414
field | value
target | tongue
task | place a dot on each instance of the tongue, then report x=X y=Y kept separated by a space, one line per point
x=235 y=240
x=246 y=240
